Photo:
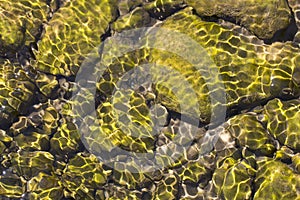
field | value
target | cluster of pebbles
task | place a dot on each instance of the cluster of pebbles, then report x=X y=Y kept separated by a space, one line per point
x=49 y=152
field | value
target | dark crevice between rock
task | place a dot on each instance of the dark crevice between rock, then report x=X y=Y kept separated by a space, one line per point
x=169 y=11
x=59 y=4
x=179 y=190
x=213 y=18
x=185 y=118
x=252 y=186
x=26 y=110
x=230 y=112
x=294 y=22
x=236 y=110
x=284 y=35
x=243 y=108
x=106 y=35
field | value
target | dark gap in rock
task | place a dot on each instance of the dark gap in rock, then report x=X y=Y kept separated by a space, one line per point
x=190 y=120
x=106 y=35
x=170 y=10
x=252 y=186
x=284 y=35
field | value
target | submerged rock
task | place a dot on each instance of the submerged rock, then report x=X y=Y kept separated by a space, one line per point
x=17 y=92
x=83 y=175
x=44 y=144
x=72 y=33
x=20 y=23
x=295 y=6
x=263 y=18
x=44 y=186
x=282 y=118
x=275 y=180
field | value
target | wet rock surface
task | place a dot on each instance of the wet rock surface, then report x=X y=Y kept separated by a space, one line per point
x=262 y=18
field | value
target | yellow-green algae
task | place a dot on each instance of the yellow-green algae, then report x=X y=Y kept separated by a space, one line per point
x=250 y=72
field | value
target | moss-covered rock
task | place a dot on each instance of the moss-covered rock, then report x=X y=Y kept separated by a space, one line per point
x=11 y=186
x=66 y=141
x=30 y=163
x=250 y=133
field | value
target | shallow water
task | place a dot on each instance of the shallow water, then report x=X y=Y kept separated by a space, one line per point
x=151 y=99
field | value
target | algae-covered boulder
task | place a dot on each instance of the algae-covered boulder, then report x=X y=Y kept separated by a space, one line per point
x=16 y=92
x=44 y=186
x=263 y=18
x=282 y=118
x=30 y=163
x=82 y=175
x=295 y=6
x=136 y=19
x=233 y=179
x=66 y=141
x=148 y=135
x=20 y=23
x=275 y=180
x=11 y=186
x=72 y=33
x=250 y=133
